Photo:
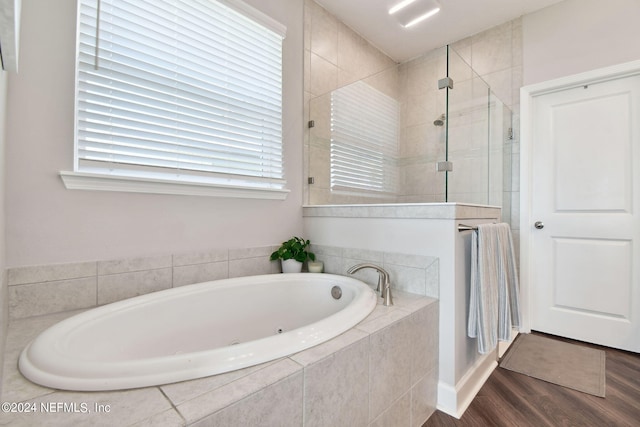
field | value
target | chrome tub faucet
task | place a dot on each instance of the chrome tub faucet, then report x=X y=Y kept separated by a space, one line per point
x=384 y=286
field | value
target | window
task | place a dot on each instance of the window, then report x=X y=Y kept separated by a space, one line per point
x=184 y=93
x=364 y=140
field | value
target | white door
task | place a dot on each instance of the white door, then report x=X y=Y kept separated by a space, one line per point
x=585 y=192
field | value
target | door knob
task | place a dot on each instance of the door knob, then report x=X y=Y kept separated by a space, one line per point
x=539 y=225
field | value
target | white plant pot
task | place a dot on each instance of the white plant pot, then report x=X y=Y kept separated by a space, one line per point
x=291 y=266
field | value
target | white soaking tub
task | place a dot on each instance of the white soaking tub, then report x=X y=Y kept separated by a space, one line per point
x=194 y=331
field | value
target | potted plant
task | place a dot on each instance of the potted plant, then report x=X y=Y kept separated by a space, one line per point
x=293 y=253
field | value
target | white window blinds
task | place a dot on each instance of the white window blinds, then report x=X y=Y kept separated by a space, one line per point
x=364 y=139
x=183 y=90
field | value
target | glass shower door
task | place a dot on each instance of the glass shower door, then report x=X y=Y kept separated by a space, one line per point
x=476 y=124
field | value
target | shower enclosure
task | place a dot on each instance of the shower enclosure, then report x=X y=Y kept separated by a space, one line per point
x=427 y=130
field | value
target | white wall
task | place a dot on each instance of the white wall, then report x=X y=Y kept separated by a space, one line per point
x=574 y=36
x=4 y=311
x=45 y=223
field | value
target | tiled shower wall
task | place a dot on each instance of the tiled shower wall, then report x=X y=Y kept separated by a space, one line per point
x=335 y=56
x=477 y=127
x=421 y=143
x=496 y=55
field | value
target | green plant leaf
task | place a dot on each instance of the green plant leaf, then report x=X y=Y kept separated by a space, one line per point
x=294 y=248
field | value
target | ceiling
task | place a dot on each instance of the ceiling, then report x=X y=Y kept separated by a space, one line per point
x=457 y=19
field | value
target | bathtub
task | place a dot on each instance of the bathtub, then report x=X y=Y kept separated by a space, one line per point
x=194 y=331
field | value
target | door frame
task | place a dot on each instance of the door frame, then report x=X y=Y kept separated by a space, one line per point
x=527 y=97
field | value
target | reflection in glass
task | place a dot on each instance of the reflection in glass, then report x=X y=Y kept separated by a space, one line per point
x=364 y=140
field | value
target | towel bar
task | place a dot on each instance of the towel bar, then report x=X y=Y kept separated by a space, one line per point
x=464 y=227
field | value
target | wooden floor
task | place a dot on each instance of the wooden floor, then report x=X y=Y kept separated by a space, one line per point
x=512 y=399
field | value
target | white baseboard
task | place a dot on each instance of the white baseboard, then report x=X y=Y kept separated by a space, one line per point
x=454 y=400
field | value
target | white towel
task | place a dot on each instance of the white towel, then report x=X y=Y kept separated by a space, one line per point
x=494 y=297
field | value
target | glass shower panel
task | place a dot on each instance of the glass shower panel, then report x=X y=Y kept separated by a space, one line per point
x=499 y=138
x=422 y=135
x=472 y=153
x=318 y=147
x=353 y=142
x=385 y=138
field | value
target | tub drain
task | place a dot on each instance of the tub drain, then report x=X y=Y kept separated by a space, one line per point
x=336 y=292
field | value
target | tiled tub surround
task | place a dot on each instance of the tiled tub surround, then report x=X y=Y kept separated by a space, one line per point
x=416 y=274
x=195 y=331
x=37 y=290
x=383 y=372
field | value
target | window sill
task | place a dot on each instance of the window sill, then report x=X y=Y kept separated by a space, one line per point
x=134 y=184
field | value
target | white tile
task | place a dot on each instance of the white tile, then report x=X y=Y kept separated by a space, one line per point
x=324 y=34
x=198 y=273
x=516 y=42
x=390 y=358
x=307 y=79
x=491 y=49
x=398 y=415
x=168 y=418
x=255 y=252
x=327 y=250
x=352 y=52
x=120 y=408
x=336 y=388
x=386 y=81
x=277 y=405
x=126 y=265
x=408 y=279
x=16 y=388
x=381 y=318
x=187 y=390
x=501 y=84
x=116 y=287
x=21 y=331
x=251 y=266
x=51 y=297
x=332 y=264
x=213 y=401
x=324 y=75
x=320 y=165
x=424 y=349
x=408 y=260
x=52 y=272
x=424 y=398
x=326 y=349
x=308 y=17
x=433 y=280
x=200 y=257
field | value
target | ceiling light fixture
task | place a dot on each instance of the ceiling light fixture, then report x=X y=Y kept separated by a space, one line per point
x=400 y=6
x=422 y=17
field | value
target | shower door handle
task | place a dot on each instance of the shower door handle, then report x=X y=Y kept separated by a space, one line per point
x=539 y=225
